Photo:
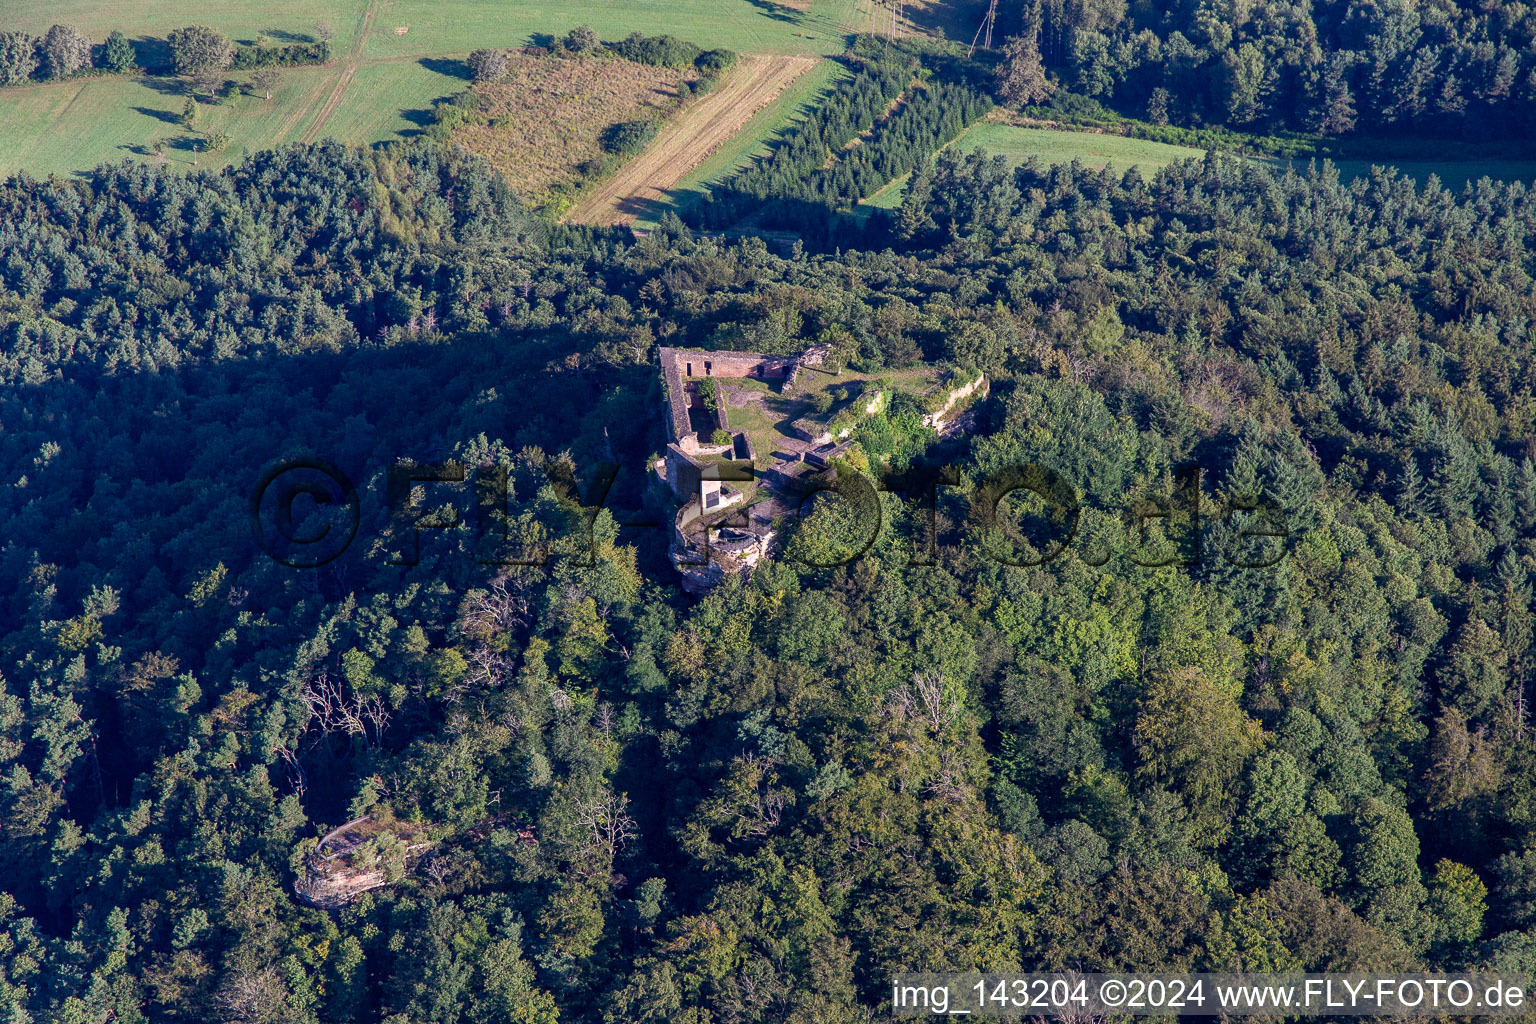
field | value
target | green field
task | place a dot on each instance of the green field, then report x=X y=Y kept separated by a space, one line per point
x=387 y=99
x=436 y=27
x=445 y=27
x=1055 y=147
x=73 y=126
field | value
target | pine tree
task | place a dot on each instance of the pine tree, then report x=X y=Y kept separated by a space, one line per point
x=1337 y=116
x=1328 y=388
x=1454 y=482
x=914 y=217
x=1410 y=488
x=1525 y=495
x=1451 y=100
x=1500 y=512
x=1366 y=409
x=117 y=53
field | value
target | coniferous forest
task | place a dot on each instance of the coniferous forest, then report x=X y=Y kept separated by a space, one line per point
x=1443 y=68
x=1268 y=707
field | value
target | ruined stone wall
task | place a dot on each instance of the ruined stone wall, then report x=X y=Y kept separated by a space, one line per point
x=936 y=419
x=741 y=364
x=676 y=398
x=679 y=364
x=698 y=363
x=683 y=473
x=722 y=403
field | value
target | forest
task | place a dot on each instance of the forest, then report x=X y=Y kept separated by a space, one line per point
x=590 y=797
x=1335 y=67
x=1266 y=708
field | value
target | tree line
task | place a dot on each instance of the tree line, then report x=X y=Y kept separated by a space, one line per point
x=489 y=65
x=64 y=52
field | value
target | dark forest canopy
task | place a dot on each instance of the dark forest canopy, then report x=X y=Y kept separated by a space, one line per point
x=1333 y=66
x=592 y=798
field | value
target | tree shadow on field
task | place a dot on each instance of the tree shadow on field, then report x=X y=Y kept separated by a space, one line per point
x=165 y=86
x=448 y=66
x=165 y=116
x=778 y=12
x=639 y=207
x=152 y=53
x=280 y=35
x=420 y=117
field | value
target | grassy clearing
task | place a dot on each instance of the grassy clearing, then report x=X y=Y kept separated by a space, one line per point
x=1055 y=147
x=768 y=420
x=65 y=127
x=547 y=119
x=73 y=126
x=755 y=139
x=949 y=19
x=389 y=100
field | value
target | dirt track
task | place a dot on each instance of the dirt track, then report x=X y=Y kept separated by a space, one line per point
x=354 y=56
x=689 y=139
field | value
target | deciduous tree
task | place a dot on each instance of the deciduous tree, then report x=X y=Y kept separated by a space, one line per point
x=488 y=65
x=64 y=52
x=18 y=57
x=199 y=48
x=1021 y=77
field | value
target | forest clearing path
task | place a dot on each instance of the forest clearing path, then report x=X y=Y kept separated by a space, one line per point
x=354 y=58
